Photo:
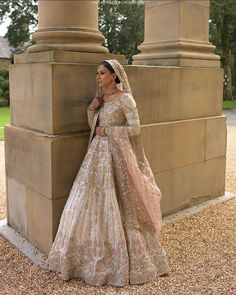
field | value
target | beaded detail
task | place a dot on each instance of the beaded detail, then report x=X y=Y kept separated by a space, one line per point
x=105 y=236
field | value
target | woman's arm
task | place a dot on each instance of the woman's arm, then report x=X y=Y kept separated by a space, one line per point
x=90 y=115
x=91 y=110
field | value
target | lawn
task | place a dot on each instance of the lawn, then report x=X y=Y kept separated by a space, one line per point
x=229 y=104
x=4 y=119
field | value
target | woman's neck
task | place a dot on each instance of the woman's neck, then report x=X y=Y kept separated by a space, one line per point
x=109 y=89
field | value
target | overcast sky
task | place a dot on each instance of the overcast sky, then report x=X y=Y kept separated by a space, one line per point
x=3 y=27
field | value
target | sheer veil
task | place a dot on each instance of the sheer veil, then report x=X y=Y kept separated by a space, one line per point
x=145 y=194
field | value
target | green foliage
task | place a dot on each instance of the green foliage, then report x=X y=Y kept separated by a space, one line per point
x=4 y=119
x=223 y=25
x=4 y=73
x=23 y=15
x=122 y=24
x=223 y=36
x=4 y=87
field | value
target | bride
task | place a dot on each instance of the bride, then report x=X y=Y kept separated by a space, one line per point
x=109 y=230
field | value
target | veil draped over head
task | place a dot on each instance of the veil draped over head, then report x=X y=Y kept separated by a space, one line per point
x=144 y=195
x=121 y=74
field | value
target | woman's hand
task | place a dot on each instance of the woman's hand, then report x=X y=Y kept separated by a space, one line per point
x=100 y=131
x=95 y=103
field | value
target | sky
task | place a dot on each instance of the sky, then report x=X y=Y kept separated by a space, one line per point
x=3 y=27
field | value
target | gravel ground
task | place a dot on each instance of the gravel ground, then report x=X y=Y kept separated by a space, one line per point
x=201 y=251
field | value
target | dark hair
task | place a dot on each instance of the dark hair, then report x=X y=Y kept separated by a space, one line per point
x=110 y=68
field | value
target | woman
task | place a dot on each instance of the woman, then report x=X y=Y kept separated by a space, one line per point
x=110 y=227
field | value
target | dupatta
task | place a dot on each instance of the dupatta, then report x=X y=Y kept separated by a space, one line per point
x=132 y=166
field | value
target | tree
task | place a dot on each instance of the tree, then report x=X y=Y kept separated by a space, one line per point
x=222 y=34
x=4 y=85
x=122 y=24
x=23 y=14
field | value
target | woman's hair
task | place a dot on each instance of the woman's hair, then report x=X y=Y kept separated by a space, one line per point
x=110 y=68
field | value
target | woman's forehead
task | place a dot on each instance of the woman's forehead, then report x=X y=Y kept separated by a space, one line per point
x=101 y=67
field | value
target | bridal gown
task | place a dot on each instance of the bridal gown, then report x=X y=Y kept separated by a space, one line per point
x=100 y=238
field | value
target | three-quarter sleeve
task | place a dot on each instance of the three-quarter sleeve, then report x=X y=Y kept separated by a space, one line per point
x=90 y=115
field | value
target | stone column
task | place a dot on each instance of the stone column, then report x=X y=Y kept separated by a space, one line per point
x=68 y=25
x=50 y=88
x=178 y=85
x=176 y=34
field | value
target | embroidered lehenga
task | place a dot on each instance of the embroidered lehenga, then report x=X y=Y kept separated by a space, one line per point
x=110 y=226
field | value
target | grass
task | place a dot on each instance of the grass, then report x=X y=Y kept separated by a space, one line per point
x=229 y=104
x=4 y=119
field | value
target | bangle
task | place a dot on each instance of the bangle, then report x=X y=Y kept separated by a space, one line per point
x=104 y=131
x=90 y=109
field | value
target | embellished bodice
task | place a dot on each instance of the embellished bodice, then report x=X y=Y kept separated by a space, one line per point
x=111 y=114
x=119 y=112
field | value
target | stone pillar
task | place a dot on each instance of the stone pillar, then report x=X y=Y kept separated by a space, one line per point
x=176 y=34
x=68 y=25
x=178 y=89
x=50 y=88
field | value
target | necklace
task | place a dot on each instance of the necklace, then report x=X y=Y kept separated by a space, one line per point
x=109 y=94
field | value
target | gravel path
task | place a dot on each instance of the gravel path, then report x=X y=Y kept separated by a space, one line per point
x=201 y=251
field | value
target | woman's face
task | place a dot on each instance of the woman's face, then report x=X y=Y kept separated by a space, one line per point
x=104 y=76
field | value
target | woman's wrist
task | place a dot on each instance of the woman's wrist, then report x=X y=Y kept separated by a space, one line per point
x=90 y=109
